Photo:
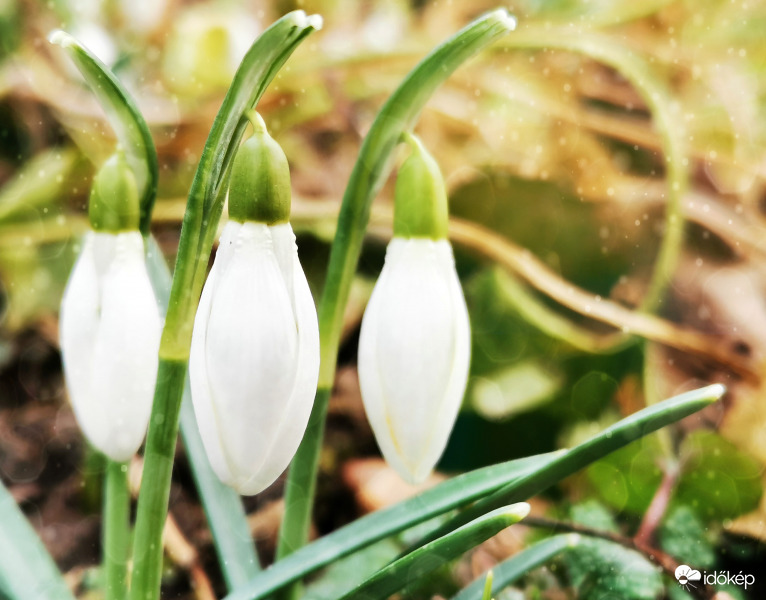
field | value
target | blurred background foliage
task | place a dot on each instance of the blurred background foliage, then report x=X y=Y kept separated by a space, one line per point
x=550 y=157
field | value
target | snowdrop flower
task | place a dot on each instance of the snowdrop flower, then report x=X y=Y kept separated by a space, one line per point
x=110 y=321
x=254 y=360
x=414 y=347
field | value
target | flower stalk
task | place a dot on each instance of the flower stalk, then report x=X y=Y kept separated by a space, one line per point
x=116 y=531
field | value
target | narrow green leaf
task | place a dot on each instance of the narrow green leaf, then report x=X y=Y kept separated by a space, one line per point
x=455 y=492
x=129 y=125
x=518 y=565
x=433 y=555
x=620 y=434
x=27 y=571
x=487 y=593
x=223 y=506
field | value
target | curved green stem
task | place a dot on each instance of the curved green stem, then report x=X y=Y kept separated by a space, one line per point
x=124 y=117
x=205 y=203
x=370 y=171
x=116 y=530
x=638 y=72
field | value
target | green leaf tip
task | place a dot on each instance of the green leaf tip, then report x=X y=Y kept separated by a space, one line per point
x=61 y=38
x=302 y=20
x=513 y=514
x=503 y=16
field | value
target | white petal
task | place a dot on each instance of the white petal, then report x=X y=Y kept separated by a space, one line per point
x=202 y=396
x=413 y=354
x=297 y=410
x=251 y=351
x=122 y=329
x=78 y=325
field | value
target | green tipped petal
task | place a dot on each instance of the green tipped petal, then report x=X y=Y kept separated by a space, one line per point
x=260 y=180
x=114 y=200
x=420 y=200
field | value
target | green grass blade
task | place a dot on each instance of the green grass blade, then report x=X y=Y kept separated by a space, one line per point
x=129 y=125
x=372 y=167
x=223 y=506
x=453 y=493
x=27 y=571
x=518 y=565
x=428 y=558
x=487 y=592
x=620 y=434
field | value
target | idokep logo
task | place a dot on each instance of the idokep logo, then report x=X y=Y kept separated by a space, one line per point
x=686 y=576
x=689 y=578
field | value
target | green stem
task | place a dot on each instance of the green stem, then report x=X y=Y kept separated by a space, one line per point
x=155 y=481
x=372 y=167
x=204 y=206
x=116 y=530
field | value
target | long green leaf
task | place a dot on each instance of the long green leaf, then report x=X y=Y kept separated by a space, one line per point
x=430 y=557
x=27 y=571
x=129 y=125
x=398 y=114
x=203 y=211
x=455 y=492
x=525 y=477
x=223 y=506
x=518 y=565
x=618 y=435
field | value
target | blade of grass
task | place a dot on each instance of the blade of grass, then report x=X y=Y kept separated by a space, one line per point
x=223 y=507
x=370 y=171
x=430 y=557
x=620 y=434
x=508 y=571
x=129 y=125
x=455 y=492
x=27 y=571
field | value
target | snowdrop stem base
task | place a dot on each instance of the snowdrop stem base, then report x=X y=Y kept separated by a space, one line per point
x=155 y=481
x=116 y=530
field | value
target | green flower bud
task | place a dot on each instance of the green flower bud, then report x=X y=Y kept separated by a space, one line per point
x=420 y=199
x=114 y=204
x=260 y=180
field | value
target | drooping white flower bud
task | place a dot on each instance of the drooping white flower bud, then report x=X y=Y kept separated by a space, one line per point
x=414 y=346
x=110 y=321
x=254 y=360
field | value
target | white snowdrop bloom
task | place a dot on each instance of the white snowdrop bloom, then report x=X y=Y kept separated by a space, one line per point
x=110 y=335
x=414 y=354
x=110 y=325
x=415 y=342
x=254 y=360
